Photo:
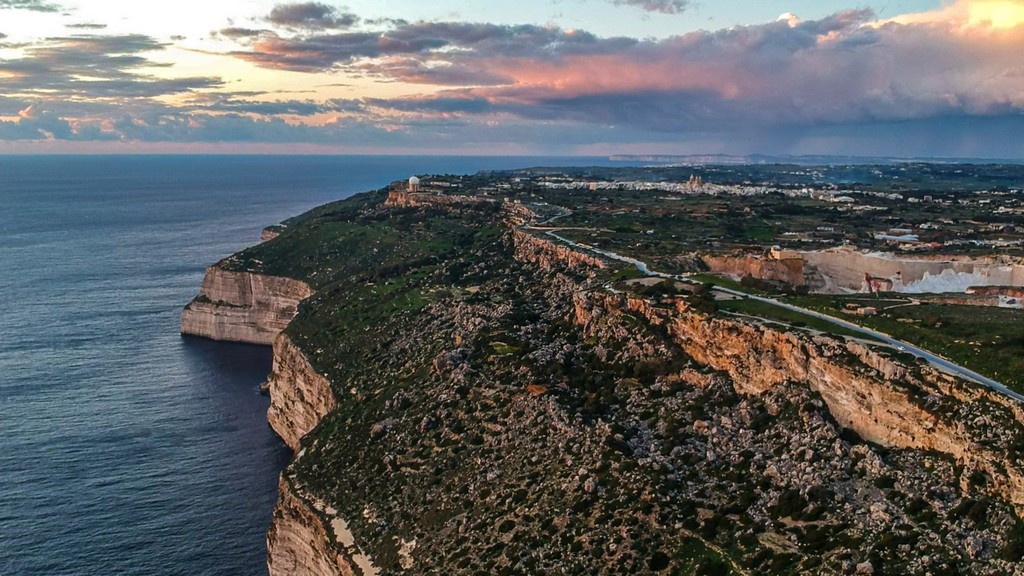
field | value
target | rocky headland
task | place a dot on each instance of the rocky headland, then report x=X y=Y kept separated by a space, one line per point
x=241 y=306
x=468 y=397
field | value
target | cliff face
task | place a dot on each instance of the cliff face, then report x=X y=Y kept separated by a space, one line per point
x=846 y=267
x=255 y=308
x=299 y=396
x=790 y=270
x=550 y=255
x=298 y=543
x=243 y=306
x=880 y=399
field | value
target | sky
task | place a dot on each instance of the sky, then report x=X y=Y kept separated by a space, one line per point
x=908 y=78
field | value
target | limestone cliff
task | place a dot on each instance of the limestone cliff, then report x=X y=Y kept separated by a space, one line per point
x=550 y=255
x=299 y=396
x=298 y=543
x=789 y=270
x=242 y=306
x=269 y=233
x=306 y=537
x=879 y=398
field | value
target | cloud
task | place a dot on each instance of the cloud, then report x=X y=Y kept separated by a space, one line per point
x=237 y=33
x=31 y=5
x=967 y=14
x=443 y=125
x=34 y=125
x=841 y=69
x=93 y=67
x=663 y=6
x=237 y=105
x=938 y=81
x=442 y=43
x=311 y=16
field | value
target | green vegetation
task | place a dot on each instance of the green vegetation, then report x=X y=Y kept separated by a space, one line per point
x=664 y=227
x=988 y=340
x=789 y=317
x=514 y=418
x=719 y=280
x=1013 y=550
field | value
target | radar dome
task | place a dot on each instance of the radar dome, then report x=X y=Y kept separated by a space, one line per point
x=414 y=181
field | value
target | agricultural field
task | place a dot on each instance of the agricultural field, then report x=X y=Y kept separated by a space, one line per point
x=988 y=340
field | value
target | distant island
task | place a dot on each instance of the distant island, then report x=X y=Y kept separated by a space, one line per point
x=748 y=369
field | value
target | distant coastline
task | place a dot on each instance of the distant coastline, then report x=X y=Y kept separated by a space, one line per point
x=801 y=160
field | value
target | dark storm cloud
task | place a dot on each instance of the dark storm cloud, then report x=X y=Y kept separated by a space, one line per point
x=31 y=5
x=663 y=6
x=311 y=16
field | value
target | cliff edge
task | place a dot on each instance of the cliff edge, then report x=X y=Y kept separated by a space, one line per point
x=243 y=306
x=299 y=396
x=466 y=397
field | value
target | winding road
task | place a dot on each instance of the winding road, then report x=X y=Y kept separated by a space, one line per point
x=933 y=359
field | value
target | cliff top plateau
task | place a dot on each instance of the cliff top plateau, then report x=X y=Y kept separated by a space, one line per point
x=468 y=394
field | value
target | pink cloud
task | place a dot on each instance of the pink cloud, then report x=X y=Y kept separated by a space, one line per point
x=842 y=69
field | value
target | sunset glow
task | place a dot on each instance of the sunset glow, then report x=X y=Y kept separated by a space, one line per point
x=998 y=13
x=594 y=75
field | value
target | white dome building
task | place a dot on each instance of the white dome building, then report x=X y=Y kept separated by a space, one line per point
x=414 y=184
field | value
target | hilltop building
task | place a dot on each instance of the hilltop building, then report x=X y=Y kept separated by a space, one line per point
x=404 y=195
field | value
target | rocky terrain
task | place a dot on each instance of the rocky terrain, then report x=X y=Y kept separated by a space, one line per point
x=465 y=397
x=791 y=271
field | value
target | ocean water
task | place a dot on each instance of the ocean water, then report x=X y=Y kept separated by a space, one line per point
x=124 y=447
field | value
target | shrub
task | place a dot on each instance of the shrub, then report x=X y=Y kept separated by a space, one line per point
x=790 y=504
x=658 y=561
x=1013 y=550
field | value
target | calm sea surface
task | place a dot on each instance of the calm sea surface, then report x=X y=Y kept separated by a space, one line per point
x=125 y=448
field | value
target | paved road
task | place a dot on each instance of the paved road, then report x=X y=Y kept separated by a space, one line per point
x=933 y=359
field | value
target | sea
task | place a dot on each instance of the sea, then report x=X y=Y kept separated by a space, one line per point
x=126 y=448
